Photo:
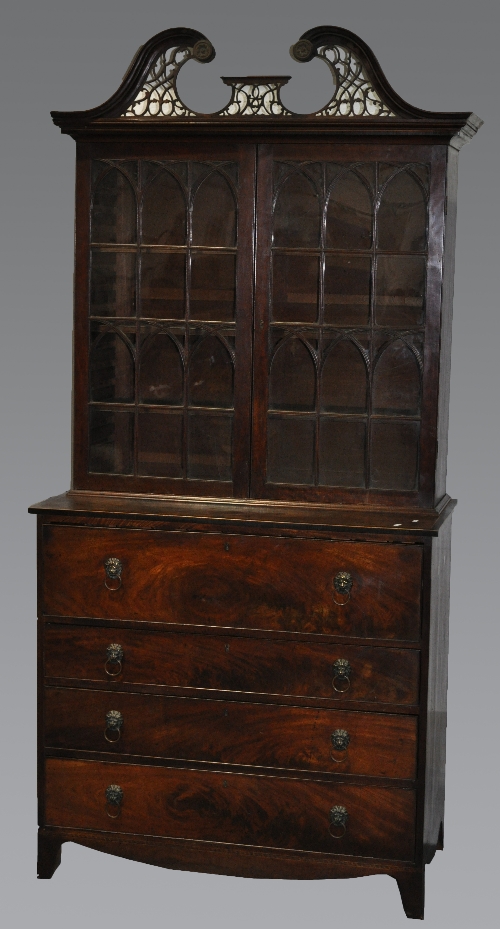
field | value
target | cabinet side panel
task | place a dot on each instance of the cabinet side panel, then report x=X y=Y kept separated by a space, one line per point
x=437 y=690
x=446 y=323
x=40 y=680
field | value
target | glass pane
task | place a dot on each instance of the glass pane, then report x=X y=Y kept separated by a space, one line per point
x=211 y=374
x=292 y=384
x=112 y=284
x=396 y=382
x=214 y=213
x=295 y=288
x=342 y=453
x=163 y=212
x=160 y=444
x=210 y=446
x=111 y=442
x=394 y=456
x=296 y=215
x=111 y=370
x=343 y=380
x=402 y=216
x=114 y=209
x=290 y=450
x=213 y=286
x=163 y=279
x=400 y=290
x=349 y=217
x=161 y=372
x=347 y=290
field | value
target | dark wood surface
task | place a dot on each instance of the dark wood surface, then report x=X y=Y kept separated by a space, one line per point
x=235 y=581
x=412 y=889
x=241 y=809
x=230 y=663
x=222 y=858
x=226 y=611
x=221 y=731
x=211 y=150
x=245 y=514
x=108 y=114
x=424 y=493
x=437 y=688
x=262 y=487
x=49 y=855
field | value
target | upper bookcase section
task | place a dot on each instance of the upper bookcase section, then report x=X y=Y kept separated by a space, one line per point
x=362 y=101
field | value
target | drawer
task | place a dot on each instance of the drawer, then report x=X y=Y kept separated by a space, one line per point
x=234 y=581
x=233 y=663
x=243 y=809
x=226 y=732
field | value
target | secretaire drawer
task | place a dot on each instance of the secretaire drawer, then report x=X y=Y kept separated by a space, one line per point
x=232 y=663
x=232 y=733
x=243 y=809
x=358 y=589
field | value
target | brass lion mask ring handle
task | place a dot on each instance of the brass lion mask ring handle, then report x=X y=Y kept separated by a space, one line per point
x=114 y=798
x=338 y=822
x=340 y=743
x=341 y=675
x=342 y=583
x=114 y=723
x=114 y=660
x=113 y=568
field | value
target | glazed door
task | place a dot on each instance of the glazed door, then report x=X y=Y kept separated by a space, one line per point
x=164 y=308
x=348 y=296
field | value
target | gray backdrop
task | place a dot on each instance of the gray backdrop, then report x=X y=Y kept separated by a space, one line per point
x=62 y=54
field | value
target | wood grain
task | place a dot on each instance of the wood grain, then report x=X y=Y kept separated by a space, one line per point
x=241 y=809
x=230 y=663
x=226 y=581
x=245 y=515
x=226 y=732
x=221 y=858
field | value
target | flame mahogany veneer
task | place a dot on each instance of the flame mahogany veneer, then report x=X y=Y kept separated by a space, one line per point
x=243 y=599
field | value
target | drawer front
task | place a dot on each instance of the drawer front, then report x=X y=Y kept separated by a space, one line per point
x=225 y=732
x=234 y=581
x=246 y=810
x=233 y=663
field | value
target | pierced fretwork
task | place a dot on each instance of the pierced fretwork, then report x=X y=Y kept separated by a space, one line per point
x=255 y=96
x=354 y=93
x=159 y=96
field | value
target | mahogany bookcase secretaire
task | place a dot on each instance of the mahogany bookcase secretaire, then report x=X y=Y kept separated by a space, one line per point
x=243 y=599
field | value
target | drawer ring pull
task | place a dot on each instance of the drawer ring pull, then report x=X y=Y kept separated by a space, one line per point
x=114 y=657
x=340 y=742
x=114 y=723
x=114 y=797
x=113 y=568
x=342 y=583
x=338 y=820
x=341 y=674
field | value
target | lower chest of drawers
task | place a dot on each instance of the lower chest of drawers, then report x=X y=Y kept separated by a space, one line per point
x=225 y=688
